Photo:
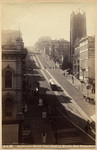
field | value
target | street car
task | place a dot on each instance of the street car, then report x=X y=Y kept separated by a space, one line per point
x=53 y=84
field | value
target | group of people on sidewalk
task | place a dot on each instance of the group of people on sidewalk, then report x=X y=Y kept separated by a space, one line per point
x=87 y=89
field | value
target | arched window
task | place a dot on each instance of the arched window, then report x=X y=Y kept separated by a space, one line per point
x=8 y=107
x=8 y=79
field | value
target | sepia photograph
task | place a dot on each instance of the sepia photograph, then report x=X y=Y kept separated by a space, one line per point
x=48 y=74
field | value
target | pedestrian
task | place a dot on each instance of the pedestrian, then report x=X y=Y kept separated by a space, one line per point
x=44 y=136
x=26 y=108
x=93 y=88
x=72 y=79
x=87 y=126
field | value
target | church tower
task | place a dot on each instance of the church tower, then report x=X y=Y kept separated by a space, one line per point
x=77 y=29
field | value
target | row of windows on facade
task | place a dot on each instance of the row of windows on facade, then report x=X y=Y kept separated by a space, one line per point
x=8 y=107
x=8 y=101
x=8 y=79
x=85 y=47
x=83 y=56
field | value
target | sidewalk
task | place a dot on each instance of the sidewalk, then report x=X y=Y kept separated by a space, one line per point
x=86 y=104
x=80 y=86
x=76 y=107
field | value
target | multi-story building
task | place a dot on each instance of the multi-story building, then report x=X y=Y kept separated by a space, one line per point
x=13 y=70
x=76 y=57
x=56 y=49
x=43 y=44
x=87 y=58
x=77 y=29
x=59 y=49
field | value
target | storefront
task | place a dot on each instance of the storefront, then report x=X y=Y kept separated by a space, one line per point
x=10 y=134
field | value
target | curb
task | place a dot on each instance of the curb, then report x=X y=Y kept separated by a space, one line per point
x=75 y=86
x=69 y=81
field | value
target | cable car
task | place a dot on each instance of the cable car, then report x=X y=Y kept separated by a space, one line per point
x=53 y=84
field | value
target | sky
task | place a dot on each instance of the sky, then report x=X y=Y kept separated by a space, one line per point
x=45 y=19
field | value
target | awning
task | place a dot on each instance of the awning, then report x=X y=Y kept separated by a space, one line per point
x=93 y=118
x=10 y=134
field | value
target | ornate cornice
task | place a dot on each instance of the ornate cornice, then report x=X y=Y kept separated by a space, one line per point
x=23 y=51
x=11 y=54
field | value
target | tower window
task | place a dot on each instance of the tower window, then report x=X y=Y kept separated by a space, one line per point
x=8 y=107
x=8 y=79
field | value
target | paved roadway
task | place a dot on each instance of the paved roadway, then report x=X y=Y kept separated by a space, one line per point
x=75 y=113
x=85 y=109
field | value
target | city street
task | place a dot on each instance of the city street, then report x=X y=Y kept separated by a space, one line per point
x=59 y=105
x=84 y=108
x=48 y=75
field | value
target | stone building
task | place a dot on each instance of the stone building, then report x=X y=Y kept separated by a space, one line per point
x=76 y=57
x=77 y=29
x=58 y=50
x=87 y=58
x=13 y=70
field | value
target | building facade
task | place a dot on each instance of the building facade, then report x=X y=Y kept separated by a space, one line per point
x=76 y=57
x=87 y=58
x=13 y=70
x=58 y=50
x=77 y=29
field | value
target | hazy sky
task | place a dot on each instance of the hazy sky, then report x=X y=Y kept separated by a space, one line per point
x=45 y=19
